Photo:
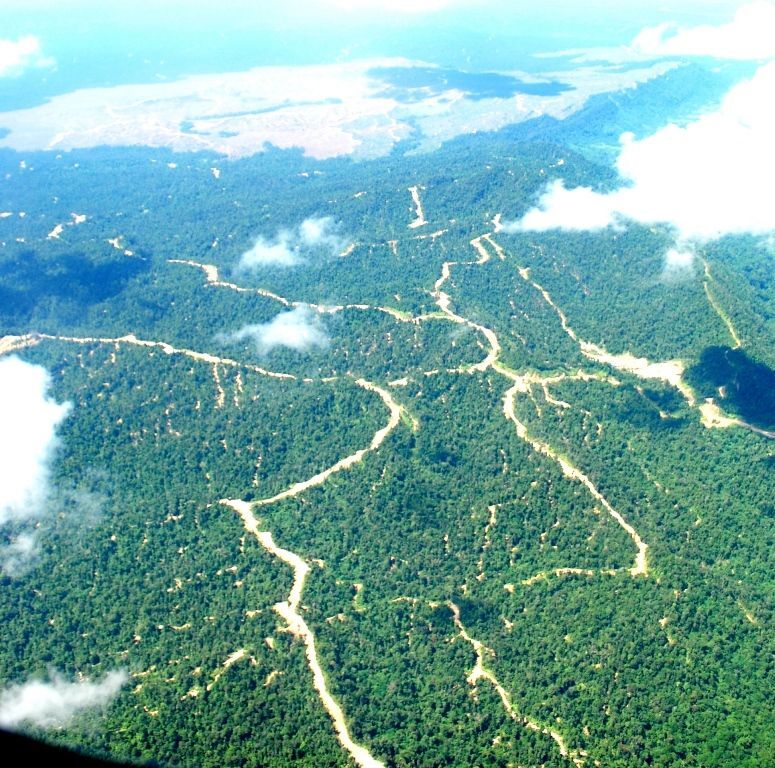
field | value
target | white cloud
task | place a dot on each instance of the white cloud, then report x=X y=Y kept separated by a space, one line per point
x=709 y=178
x=27 y=444
x=15 y=556
x=678 y=263
x=314 y=231
x=749 y=36
x=21 y=54
x=562 y=208
x=29 y=418
x=279 y=253
x=288 y=247
x=56 y=702
x=299 y=329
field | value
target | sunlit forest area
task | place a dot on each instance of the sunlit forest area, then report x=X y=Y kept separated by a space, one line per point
x=536 y=554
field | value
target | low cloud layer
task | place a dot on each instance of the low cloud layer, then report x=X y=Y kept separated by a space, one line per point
x=300 y=329
x=290 y=246
x=580 y=208
x=749 y=36
x=678 y=263
x=28 y=442
x=56 y=702
x=19 y=55
x=709 y=178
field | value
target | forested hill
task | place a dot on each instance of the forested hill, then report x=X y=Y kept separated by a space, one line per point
x=351 y=476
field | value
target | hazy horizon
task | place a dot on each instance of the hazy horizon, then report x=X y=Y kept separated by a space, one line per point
x=95 y=44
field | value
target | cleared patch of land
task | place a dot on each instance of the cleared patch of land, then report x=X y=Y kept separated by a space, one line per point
x=328 y=111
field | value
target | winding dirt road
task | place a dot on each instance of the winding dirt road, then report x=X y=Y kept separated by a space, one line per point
x=9 y=344
x=396 y=412
x=288 y=610
x=480 y=671
x=168 y=349
x=669 y=371
x=420 y=215
x=444 y=303
x=213 y=278
x=718 y=309
x=640 y=567
x=520 y=383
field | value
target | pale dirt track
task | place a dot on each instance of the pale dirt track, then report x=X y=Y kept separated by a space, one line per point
x=288 y=610
x=9 y=344
x=492 y=362
x=480 y=671
x=419 y=220
x=717 y=308
x=168 y=349
x=396 y=411
x=669 y=371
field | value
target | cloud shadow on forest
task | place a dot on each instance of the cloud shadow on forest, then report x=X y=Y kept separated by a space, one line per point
x=738 y=383
x=28 y=280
